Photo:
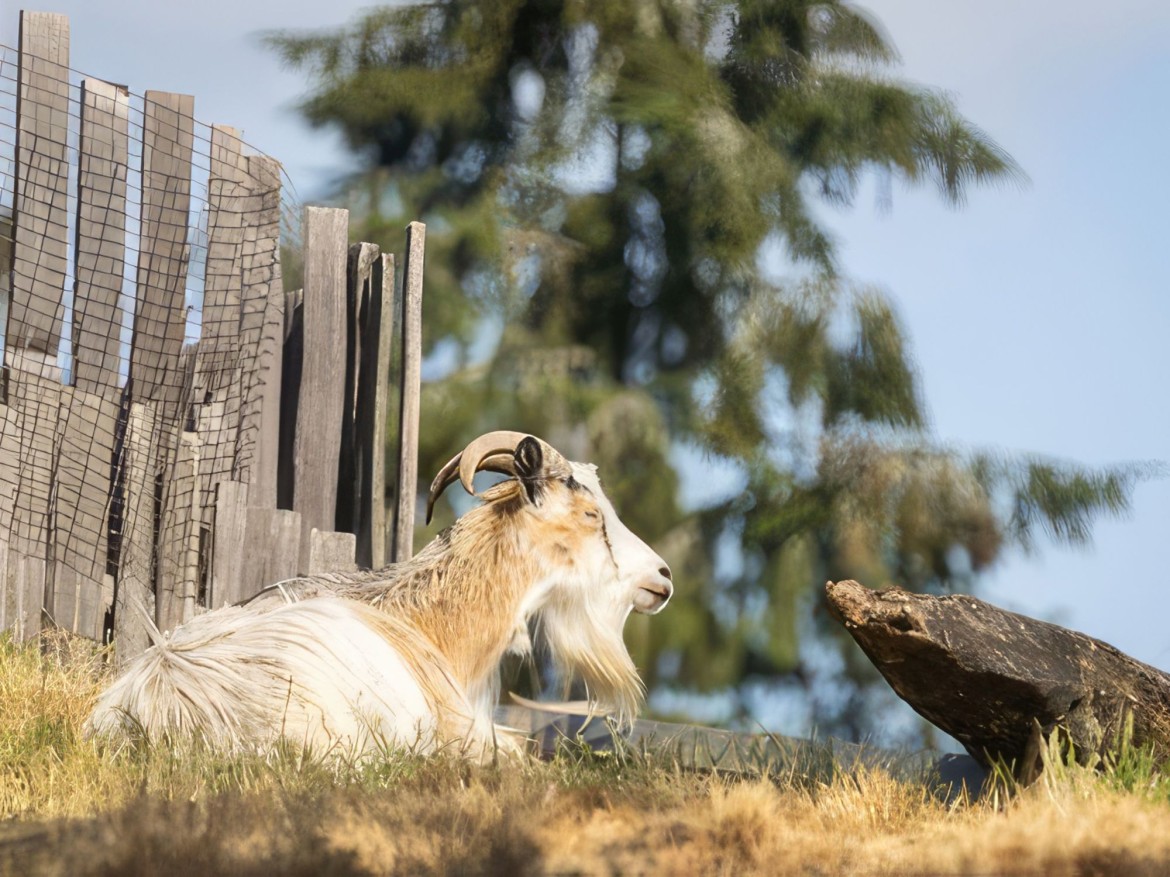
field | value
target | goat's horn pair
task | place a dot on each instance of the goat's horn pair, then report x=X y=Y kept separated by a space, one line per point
x=492 y=452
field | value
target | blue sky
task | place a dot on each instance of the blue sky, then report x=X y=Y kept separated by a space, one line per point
x=1037 y=314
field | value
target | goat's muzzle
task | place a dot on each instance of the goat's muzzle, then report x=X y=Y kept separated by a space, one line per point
x=653 y=593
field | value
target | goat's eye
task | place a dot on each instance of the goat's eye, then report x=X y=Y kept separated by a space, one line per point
x=593 y=515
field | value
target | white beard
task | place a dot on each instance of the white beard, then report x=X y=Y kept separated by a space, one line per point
x=587 y=645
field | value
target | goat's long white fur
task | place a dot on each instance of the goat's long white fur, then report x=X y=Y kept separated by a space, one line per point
x=410 y=655
x=319 y=672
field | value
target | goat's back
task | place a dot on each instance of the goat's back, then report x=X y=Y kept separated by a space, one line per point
x=327 y=673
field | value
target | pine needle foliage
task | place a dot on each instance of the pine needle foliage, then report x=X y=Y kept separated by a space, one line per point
x=610 y=187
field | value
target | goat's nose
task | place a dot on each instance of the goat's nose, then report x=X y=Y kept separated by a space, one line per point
x=652 y=594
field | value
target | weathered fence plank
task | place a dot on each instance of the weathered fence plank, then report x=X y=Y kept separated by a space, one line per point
x=9 y=479
x=35 y=313
x=322 y=387
x=359 y=274
x=226 y=194
x=157 y=364
x=227 y=553
x=36 y=401
x=254 y=546
x=217 y=422
x=407 y=482
x=330 y=552
x=101 y=235
x=42 y=177
x=75 y=598
x=372 y=409
x=216 y=391
x=77 y=595
x=134 y=604
x=156 y=373
x=178 y=579
x=22 y=575
x=263 y=331
x=273 y=549
x=26 y=587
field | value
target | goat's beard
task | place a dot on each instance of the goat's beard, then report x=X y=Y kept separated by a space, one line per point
x=585 y=642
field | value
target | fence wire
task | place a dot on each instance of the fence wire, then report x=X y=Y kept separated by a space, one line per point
x=141 y=291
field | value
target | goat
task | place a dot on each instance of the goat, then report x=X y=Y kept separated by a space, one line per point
x=410 y=655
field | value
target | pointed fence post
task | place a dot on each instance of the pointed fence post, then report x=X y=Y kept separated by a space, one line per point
x=411 y=319
x=321 y=406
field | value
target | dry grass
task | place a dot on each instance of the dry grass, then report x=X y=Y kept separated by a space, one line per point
x=70 y=807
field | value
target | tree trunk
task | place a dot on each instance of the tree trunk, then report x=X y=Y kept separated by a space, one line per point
x=1001 y=683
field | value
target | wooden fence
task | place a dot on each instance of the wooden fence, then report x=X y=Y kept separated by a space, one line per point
x=177 y=431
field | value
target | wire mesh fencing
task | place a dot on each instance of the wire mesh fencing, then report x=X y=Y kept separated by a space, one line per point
x=144 y=350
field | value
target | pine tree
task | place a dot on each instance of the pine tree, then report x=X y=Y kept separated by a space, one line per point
x=611 y=189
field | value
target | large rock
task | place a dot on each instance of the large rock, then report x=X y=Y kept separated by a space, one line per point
x=999 y=682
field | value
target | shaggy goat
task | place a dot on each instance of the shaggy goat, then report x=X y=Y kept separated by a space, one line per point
x=410 y=655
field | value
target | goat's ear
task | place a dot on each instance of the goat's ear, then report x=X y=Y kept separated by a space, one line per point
x=529 y=458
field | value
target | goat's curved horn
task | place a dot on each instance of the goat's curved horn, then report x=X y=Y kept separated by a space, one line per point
x=491 y=452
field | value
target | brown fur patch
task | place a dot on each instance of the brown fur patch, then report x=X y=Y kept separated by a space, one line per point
x=463 y=594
